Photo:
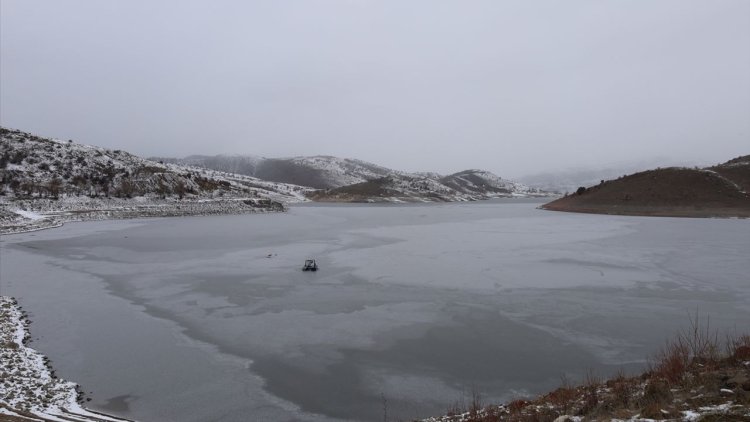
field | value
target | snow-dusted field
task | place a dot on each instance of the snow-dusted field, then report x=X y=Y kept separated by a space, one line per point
x=211 y=318
x=17 y=217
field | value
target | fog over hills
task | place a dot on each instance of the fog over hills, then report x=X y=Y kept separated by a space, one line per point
x=46 y=181
x=346 y=179
x=319 y=172
x=568 y=180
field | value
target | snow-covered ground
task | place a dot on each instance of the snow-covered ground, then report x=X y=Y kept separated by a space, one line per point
x=28 y=215
x=29 y=389
x=342 y=171
x=46 y=182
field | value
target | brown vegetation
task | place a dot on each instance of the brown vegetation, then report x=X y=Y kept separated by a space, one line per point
x=719 y=191
x=696 y=374
x=358 y=192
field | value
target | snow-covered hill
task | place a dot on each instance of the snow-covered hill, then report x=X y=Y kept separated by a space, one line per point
x=470 y=185
x=48 y=179
x=238 y=164
x=35 y=167
x=335 y=172
x=344 y=179
x=319 y=172
x=485 y=183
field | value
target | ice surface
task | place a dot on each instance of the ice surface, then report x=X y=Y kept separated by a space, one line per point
x=188 y=318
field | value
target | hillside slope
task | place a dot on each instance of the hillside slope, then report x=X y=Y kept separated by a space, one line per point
x=319 y=172
x=51 y=180
x=487 y=184
x=392 y=188
x=349 y=180
x=238 y=164
x=720 y=191
x=469 y=185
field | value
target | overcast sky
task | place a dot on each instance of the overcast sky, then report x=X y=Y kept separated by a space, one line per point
x=515 y=87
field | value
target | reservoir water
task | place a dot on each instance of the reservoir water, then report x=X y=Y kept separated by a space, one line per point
x=416 y=308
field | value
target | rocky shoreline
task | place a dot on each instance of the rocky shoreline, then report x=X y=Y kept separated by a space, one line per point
x=29 y=388
x=19 y=216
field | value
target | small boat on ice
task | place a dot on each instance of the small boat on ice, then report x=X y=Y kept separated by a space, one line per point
x=310 y=265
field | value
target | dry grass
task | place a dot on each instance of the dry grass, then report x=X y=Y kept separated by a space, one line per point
x=694 y=370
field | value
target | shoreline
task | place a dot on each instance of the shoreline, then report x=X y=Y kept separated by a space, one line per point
x=219 y=409
x=693 y=378
x=657 y=211
x=30 y=390
x=23 y=216
x=703 y=387
x=215 y=409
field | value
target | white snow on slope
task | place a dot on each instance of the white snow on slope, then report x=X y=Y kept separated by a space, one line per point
x=343 y=171
x=47 y=181
x=29 y=386
x=29 y=214
x=34 y=167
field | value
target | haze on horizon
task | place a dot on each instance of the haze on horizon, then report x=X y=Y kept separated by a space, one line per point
x=514 y=87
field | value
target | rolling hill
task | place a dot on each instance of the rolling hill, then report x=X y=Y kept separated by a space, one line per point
x=52 y=180
x=318 y=172
x=348 y=180
x=469 y=185
x=718 y=191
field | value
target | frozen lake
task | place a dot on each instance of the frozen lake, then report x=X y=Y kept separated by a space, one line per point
x=415 y=306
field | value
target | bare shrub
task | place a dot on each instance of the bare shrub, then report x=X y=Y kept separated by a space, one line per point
x=656 y=393
x=695 y=345
x=591 y=386
x=738 y=347
x=476 y=402
x=700 y=341
x=517 y=405
x=564 y=397
x=622 y=390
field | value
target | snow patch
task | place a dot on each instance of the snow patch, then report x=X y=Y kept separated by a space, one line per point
x=29 y=385
x=29 y=215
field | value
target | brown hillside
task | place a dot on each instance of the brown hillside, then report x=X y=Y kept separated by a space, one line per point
x=716 y=191
x=358 y=192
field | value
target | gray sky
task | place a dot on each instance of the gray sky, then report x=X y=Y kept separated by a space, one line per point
x=514 y=87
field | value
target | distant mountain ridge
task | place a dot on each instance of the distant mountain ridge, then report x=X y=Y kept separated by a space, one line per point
x=346 y=179
x=483 y=182
x=318 y=172
x=469 y=185
x=721 y=190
